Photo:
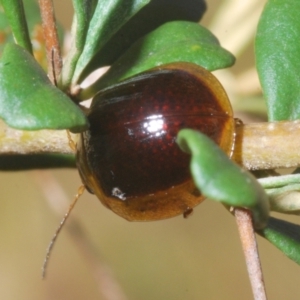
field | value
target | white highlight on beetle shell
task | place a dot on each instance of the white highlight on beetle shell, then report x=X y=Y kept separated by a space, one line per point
x=154 y=124
x=116 y=192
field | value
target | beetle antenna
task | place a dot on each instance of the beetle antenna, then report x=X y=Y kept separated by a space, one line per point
x=72 y=144
x=62 y=222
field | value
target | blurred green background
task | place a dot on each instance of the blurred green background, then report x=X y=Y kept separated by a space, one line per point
x=195 y=258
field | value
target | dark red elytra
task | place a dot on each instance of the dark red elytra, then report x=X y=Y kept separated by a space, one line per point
x=129 y=157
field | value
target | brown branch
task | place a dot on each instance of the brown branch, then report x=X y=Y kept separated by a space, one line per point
x=51 y=39
x=247 y=236
x=258 y=145
x=14 y=141
x=261 y=146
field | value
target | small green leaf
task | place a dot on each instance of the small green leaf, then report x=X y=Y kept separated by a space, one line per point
x=32 y=12
x=285 y=199
x=220 y=179
x=83 y=12
x=279 y=181
x=285 y=236
x=28 y=100
x=14 y=11
x=108 y=18
x=33 y=18
x=277 y=50
x=178 y=41
x=283 y=192
x=149 y=18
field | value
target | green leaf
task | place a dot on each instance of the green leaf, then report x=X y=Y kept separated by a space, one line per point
x=279 y=181
x=32 y=12
x=277 y=50
x=220 y=179
x=283 y=192
x=33 y=17
x=28 y=100
x=14 y=11
x=285 y=199
x=149 y=18
x=285 y=236
x=178 y=41
x=83 y=12
x=5 y=31
x=107 y=19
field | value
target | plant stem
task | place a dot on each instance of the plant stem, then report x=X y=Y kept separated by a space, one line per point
x=247 y=236
x=258 y=146
x=262 y=146
x=51 y=39
x=13 y=141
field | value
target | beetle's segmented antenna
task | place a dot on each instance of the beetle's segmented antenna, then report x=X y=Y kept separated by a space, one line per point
x=72 y=144
x=63 y=221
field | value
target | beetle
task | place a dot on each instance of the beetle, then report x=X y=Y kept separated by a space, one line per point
x=129 y=158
